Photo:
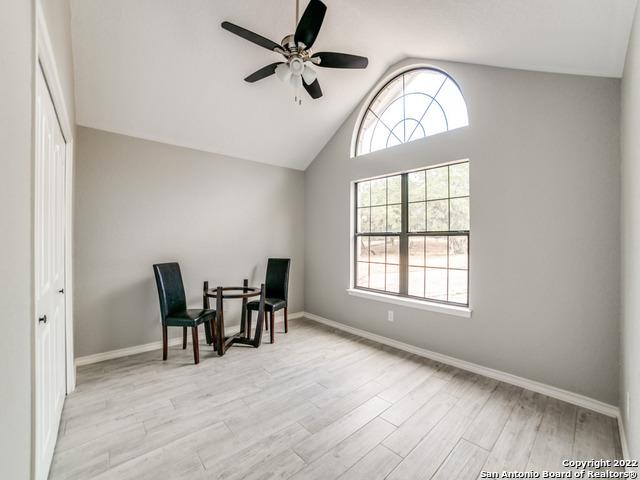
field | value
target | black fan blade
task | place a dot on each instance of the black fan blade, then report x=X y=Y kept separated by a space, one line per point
x=314 y=89
x=310 y=23
x=341 y=60
x=264 y=72
x=249 y=35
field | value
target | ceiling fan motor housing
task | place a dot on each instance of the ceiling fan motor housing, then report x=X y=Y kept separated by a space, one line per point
x=289 y=44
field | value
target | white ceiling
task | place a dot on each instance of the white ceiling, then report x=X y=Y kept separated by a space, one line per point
x=164 y=69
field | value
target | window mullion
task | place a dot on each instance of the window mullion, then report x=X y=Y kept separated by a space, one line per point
x=404 y=238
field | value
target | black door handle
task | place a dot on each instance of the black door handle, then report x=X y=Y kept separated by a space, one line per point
x=61 y=290
x=43 y=319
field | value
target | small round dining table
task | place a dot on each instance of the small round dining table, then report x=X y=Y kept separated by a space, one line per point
x=220 y=341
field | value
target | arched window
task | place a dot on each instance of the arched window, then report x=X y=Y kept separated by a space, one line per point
x=415 y=104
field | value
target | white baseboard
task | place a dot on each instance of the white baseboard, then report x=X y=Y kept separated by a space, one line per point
x=558 y=393
x=623 y=437
x=148 y=347
x=124 y=352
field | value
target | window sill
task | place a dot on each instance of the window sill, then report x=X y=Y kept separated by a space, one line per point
x=413 y=303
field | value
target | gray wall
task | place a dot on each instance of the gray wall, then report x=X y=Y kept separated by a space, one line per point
x=140 y=202
x=545 y=252
x=16 y=254
x=630 y=341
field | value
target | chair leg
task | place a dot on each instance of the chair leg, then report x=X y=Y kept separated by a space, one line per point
x=286 y=321
x=207 y=332
x=184 y=338
x=196 y=347
x=164 y=342
x=249 y=314
x=273 y=330
x=266 y=322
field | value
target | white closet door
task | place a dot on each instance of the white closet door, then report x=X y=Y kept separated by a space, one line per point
x=49 y=243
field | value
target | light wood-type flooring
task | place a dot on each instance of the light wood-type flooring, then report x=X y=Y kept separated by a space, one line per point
x=318 y=404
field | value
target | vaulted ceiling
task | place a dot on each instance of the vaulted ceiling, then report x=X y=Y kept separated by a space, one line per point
x=164 y=69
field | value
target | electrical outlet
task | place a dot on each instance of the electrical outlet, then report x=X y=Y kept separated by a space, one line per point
x=390 y=315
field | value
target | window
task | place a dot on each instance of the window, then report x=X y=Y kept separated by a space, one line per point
x=412 y=234
x=415 y=104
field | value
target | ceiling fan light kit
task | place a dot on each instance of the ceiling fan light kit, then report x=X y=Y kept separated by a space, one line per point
x=297 y=69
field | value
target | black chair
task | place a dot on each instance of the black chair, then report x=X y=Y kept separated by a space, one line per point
x=276 y=286
x=173 y=308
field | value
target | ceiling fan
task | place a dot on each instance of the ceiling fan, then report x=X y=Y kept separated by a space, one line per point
x=296 y=69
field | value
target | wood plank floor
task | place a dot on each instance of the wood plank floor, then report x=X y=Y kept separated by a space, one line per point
x=318 y=404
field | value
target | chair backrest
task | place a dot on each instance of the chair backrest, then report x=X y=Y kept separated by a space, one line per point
x=170 y=288
x=277 y=281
